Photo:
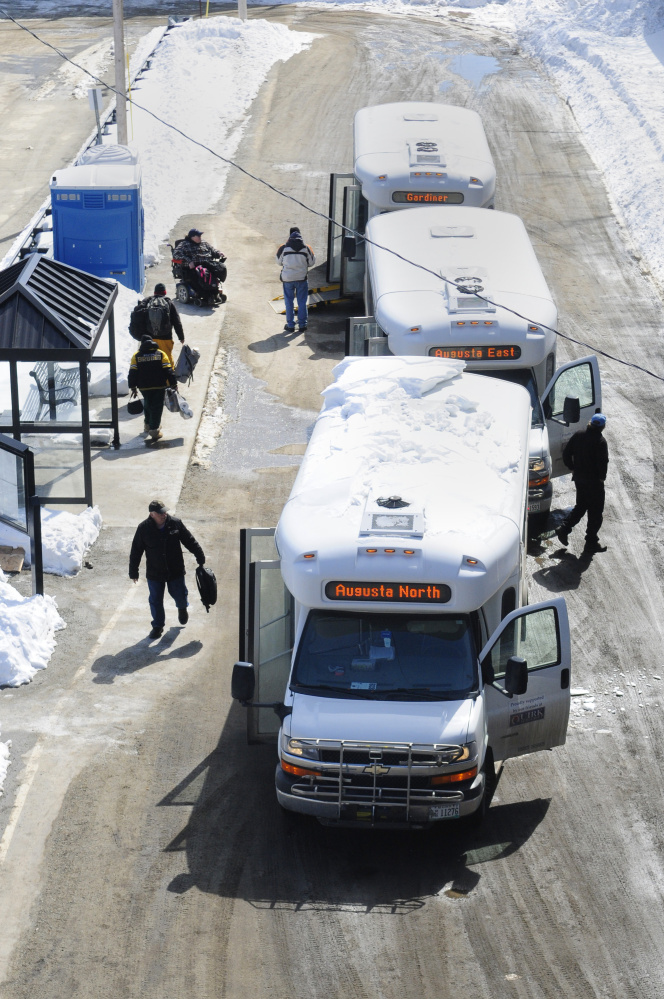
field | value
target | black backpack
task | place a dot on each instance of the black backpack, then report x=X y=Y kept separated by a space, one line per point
x=207 y=586
x=159 y=317
x=139 y=325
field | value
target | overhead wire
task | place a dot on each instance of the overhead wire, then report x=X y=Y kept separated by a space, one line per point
x=457 y=285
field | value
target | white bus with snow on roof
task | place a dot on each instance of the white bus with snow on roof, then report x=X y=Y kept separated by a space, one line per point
x=384 y=639
x=411 y=310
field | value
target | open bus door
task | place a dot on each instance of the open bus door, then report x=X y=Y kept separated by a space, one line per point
x=365 y=338
x=266 y=628
x=576 y=383
x=345 y=253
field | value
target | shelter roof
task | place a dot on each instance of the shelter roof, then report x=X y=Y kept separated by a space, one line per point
x=48 y=306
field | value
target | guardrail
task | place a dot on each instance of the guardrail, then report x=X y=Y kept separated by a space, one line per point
x=26 y=242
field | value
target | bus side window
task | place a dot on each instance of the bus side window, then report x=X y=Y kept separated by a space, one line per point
x=508 y=602
x=550 y=367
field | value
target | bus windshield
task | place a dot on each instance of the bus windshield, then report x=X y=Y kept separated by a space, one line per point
x=386 y=656
x=521 y=376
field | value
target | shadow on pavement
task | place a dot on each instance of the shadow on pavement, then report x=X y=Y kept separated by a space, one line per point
x=142 y=654
x=239 y=844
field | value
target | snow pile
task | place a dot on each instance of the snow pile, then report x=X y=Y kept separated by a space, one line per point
x=405 y=426
x=4 y=761
x=65 y=539
x=27 y=626
x=203 y=79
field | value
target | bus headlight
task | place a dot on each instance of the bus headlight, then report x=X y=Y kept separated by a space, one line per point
x=538 y=472
x=296 y=747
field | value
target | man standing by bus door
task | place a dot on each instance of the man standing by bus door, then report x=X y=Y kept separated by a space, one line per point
x=295 y=258
x=587 y=455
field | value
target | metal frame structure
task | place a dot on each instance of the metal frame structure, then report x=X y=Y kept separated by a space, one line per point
x=33 y=504
x=52 y=312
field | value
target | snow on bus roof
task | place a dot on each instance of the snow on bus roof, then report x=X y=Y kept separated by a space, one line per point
x=447 y=442
x=385 y=128
x=448 y=239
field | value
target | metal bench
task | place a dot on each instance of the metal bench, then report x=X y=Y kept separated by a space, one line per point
x=56 y=387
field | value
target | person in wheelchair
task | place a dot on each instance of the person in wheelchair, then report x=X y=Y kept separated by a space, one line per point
x=196 y=257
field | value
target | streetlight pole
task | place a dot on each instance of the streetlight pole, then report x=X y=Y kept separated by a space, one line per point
x=120 y=71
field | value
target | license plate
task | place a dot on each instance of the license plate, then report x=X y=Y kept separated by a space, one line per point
x=444 y=811
x=534 y=507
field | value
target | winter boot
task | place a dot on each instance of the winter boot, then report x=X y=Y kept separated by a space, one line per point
x=156 y=434
x=563 y=536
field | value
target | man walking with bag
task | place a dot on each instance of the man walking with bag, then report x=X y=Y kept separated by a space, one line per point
x=295 y=258
x=161 y=537
x=150 y=372
x=163 y=318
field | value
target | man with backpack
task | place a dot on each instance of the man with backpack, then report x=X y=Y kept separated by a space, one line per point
x=157 y=317
x=295 y=258
x=151 y=372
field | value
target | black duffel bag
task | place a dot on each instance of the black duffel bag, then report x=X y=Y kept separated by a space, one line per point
x=207 y=586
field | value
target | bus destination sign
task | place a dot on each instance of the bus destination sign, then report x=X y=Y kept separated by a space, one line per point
x=427 y=197
x=506 y=352
x=403 y=593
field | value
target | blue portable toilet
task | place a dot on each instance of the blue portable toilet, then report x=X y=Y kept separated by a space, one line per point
x=98 y=215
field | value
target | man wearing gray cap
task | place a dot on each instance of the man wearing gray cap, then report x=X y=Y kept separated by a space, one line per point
x=587 y=455
x=161 y=537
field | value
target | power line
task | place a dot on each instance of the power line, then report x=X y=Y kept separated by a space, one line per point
x=327 y=218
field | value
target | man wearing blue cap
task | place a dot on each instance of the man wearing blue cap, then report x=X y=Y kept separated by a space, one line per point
x=587 y=455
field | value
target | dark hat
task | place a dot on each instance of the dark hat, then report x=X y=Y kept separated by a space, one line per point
x=156 y=506
x=194 y=232
x=294 y=228
x=160 y=289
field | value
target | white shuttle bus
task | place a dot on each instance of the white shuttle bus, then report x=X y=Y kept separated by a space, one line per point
x=412 y=311
x=384 y=637
x=406 y=154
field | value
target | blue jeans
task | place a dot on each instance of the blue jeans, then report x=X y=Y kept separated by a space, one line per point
x=177 y=589
x=301 y=289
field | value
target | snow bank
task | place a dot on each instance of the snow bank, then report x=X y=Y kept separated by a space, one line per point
x=203 y=79
x=27 y=626
x=4 y=761
x=65 y=539
x=405 y=426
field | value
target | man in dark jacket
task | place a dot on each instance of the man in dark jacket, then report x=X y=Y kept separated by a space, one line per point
x=161 y=538
x=587 y=455
x=193 y=250
x=151 y=372
x=163 y=318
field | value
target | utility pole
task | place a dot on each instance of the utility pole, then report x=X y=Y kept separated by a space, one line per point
x=120 y=82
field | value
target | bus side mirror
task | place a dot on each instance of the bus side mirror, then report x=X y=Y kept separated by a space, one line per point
x=243 y=682
x=571 y=410
x=516 y=676
x=348 y=247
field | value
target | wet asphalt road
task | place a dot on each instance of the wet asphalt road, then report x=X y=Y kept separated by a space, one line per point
x=151 y=856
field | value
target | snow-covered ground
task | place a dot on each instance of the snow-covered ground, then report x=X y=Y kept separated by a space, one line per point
x=65 y=539
x=27 y=626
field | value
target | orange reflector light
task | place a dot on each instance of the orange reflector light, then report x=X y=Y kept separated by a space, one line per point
x=310 y=555
x=298 y=771
x=449 y=778
x=383 y=176
x=371 y=551
x=471 y=561
x=389 y=551
x=474 y=322
x=474 y=180
x=488 y=322
x=461 y=324
x=533 y=329
x=414 y=329
x=408 y=551
x=532 y=483
x=418 y=174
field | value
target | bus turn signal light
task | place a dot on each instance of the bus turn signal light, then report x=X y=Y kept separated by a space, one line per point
x=298 y=771
x=452 y=778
